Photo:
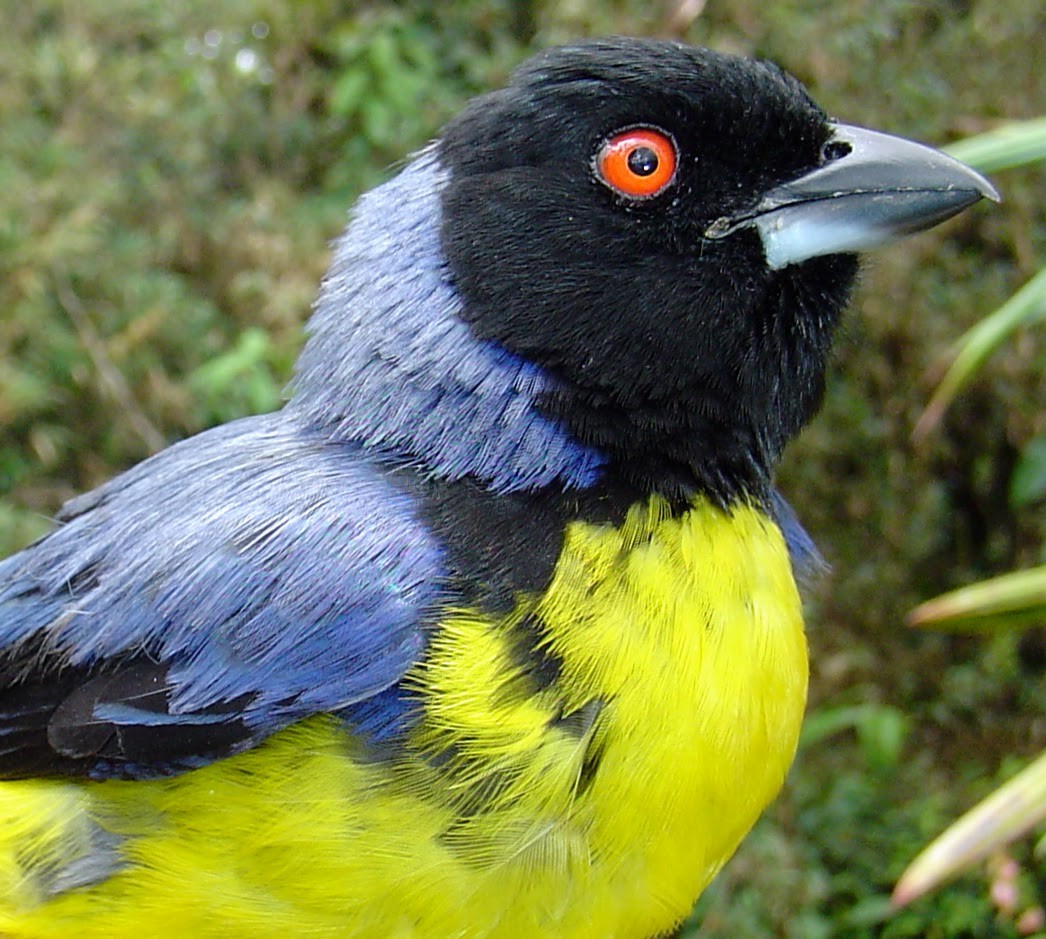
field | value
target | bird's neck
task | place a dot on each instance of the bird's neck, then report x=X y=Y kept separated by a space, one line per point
x=391 y=364
x=675 y=448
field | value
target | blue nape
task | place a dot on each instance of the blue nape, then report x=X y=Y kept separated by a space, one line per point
x=391 y=364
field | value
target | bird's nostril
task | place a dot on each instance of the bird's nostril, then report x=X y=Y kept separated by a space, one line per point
x=835 y=150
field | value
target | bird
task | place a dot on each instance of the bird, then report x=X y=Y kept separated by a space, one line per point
x=493 y=629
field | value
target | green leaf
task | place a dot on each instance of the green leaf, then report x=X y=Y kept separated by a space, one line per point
x=882 y=732
x=880 y=729
x=869 y=911
x=1028 y=483
x=349 y=91
x=1026 y=306
x=238 y=381
x=1004 y=148
x=1007 y=814
x=1009 y=601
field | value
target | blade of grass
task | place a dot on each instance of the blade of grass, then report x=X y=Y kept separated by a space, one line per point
x=1009 y=812
x=1007 y=601
x=1014 y=599
x=1004 y=148
x=1026 y=306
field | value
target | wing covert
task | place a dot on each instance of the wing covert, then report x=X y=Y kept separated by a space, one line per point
x=234 y=583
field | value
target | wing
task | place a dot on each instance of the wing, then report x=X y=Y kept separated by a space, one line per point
x=232 y=584
x=807 y=563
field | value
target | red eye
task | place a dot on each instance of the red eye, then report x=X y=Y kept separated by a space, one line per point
x=638 y=163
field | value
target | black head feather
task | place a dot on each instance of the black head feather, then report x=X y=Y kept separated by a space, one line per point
x=685 y=359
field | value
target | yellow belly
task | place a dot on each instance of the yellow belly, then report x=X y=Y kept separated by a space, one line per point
x=594 y=803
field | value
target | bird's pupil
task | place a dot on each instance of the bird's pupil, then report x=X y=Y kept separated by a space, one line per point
x=642 y=161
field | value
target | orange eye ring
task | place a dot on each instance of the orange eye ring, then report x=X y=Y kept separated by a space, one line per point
x=638 y=163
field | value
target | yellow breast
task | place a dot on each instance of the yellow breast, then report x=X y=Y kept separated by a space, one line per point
x=593 y=801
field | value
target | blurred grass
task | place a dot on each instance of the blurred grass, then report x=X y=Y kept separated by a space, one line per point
x=170 y=175
x=999 y=603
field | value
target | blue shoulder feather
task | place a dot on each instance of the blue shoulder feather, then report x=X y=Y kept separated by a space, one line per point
x=807 y=562
x=258 y=575
x=281 y=566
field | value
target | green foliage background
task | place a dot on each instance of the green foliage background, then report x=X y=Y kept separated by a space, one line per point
x=170 y=175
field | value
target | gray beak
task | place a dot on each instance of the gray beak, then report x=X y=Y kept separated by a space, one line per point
x=876 y=189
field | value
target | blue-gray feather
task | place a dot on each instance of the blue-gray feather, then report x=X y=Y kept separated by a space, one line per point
x=391 y=364
x=262 y=565
x=274 y=568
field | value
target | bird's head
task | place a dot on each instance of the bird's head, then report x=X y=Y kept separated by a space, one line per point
x=628 y=263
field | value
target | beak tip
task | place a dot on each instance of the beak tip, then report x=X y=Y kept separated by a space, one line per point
x=990 y=193
x=982 y=188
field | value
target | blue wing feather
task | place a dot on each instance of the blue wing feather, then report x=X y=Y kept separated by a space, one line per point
x=274 y=568
x=266 y=576
x=807 y=562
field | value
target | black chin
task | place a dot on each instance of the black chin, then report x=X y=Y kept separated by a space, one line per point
x=720 y=432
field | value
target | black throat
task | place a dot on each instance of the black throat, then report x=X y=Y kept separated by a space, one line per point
x=713 y=418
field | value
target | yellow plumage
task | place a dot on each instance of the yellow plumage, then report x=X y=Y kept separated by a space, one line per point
x=598 y=804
